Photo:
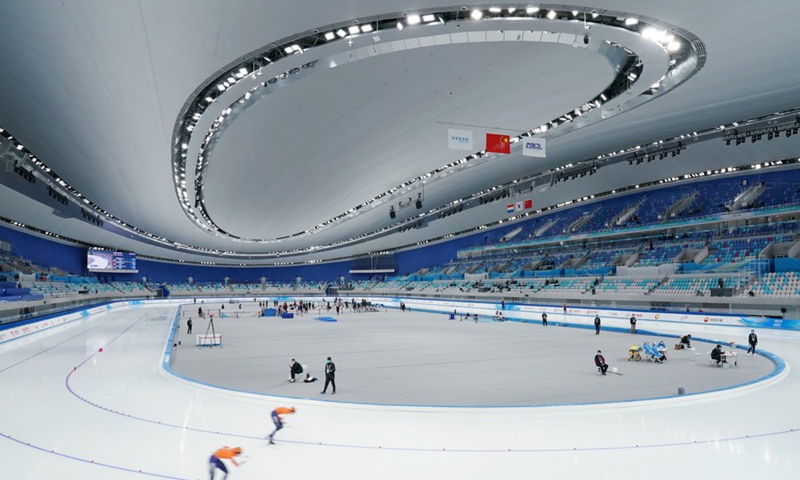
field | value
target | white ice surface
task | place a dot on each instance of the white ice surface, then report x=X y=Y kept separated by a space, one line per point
x=118 y=413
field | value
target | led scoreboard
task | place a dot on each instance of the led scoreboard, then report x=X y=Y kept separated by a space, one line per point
x=109 y=261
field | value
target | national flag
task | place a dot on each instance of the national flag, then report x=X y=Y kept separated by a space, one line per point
x=534 y=147
x=459 y=139
x=497 y=143
x=519 y=206
x=510 y=208
x=528 y=203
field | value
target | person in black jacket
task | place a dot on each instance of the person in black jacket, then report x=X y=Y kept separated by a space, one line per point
x=633 y=323
x=597 y=325
x=189 y=325
x=295 y=369
x=544 y=319
x=716 y=354
x=752 y=339
x=600 y=361
x=330 y=377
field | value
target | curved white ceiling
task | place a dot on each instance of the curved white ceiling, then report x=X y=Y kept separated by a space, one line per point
x=349 y=133
x=94 y=91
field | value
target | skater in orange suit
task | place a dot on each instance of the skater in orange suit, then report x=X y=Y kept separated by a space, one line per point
x=215 y=462
x=278 y=421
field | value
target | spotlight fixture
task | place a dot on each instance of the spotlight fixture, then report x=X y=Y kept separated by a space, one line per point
x=531 y=10
x=551 y=14
x=476 y=14
x=413 y=19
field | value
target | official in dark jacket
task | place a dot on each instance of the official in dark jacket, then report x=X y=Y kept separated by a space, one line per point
x=330 y=376
x=752 y=339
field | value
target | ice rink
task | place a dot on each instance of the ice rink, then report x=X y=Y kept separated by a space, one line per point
x=91 y=401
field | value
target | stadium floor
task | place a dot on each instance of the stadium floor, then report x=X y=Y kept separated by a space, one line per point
x=415 y=358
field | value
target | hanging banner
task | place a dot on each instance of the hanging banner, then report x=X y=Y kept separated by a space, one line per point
x=459 y=139
x=497 y=143
x=534 y=147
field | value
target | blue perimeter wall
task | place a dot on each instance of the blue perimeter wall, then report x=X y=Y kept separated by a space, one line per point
x=45 y=252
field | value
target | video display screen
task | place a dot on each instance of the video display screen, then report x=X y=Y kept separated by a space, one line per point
x=109 y=261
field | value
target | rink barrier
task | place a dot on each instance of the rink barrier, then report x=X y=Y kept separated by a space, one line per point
x=514 y=313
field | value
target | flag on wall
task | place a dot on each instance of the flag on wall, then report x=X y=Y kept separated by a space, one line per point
x=519 y=206
x=459 y=139
x=497 y=143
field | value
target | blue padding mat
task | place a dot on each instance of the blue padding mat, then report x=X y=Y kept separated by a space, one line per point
x=325 y=319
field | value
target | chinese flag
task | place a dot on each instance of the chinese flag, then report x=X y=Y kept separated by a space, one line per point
x=496 y=143
x=528 y=203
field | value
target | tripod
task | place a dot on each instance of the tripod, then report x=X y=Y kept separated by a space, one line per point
x=210 y=328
